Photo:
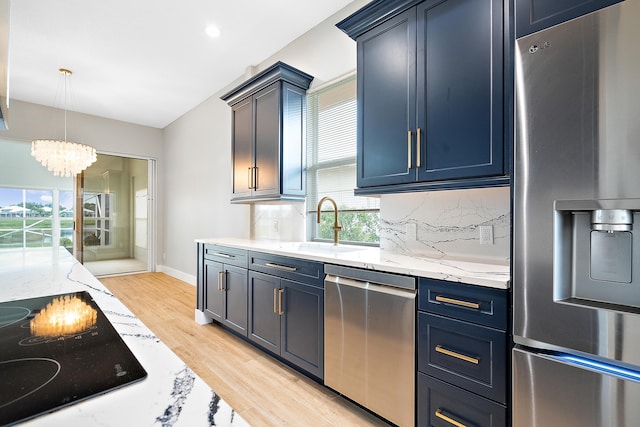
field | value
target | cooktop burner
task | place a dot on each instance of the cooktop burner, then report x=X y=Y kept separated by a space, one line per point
x=56 y=351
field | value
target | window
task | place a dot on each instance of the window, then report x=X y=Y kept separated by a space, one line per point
x=331 y=166
x=27 y=220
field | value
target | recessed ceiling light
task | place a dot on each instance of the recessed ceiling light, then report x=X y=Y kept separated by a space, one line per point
x=212 y=31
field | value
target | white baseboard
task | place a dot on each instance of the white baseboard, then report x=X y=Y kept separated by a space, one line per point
x=189 y=278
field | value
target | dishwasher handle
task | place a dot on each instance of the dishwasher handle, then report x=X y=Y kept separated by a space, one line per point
x=371 y=276
x=371 y=287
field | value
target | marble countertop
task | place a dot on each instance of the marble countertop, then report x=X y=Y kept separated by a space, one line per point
x=451 y=269
x=171 y=394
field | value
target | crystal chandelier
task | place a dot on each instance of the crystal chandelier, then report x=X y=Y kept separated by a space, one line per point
x=63 y=158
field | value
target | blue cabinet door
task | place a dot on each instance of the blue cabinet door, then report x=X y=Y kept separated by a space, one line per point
x=242 y=148
x=460 y=89
x=536 y=15
x=302 y=326
x=235 y=301
x=213 y=294
x=264 y=320
x=266 y=114
x=387 y=102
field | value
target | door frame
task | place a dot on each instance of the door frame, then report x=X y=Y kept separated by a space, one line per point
x=78 y=187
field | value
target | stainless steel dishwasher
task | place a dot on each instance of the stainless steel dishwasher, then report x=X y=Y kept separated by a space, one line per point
x=369 y=340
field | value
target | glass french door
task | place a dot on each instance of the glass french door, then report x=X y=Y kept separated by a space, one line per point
x=113 y=214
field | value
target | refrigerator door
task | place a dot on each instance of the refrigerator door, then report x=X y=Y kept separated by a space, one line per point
x=564 y=394
x=578 y=138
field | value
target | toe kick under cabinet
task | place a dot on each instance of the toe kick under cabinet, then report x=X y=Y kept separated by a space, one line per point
x=463 y=366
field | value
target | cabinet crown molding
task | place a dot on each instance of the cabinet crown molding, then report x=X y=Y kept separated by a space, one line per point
x=373 y=14
x=278 y=71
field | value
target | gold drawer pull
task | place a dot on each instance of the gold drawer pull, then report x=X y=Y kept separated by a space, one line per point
x=280 y=267
x=221 y=281
x=280 y=310
x=418 y=138
x=220 y=254
x=443 y=417
x=409 y=149
x=275 y=300
x=441 y=349
x=475 y=305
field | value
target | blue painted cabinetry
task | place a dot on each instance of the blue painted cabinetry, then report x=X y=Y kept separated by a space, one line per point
x=275 y=302
x=267 y=144
x=431 y=104
x=536 y=15
x=463 y=354
x=286 y=316
x=224 y=286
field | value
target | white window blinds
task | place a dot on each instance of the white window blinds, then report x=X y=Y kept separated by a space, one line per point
x=331 y=149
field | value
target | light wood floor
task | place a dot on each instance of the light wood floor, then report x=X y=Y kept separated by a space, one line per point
x=262 y=390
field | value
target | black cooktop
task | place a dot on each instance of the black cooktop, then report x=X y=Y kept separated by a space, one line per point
x=56 y=351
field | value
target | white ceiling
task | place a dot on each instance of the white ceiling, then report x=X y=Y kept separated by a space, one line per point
x=146 y=61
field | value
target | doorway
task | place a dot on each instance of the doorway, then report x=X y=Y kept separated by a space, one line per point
x=114 y=216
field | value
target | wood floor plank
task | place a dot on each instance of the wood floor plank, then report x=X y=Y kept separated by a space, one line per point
x=262 y=390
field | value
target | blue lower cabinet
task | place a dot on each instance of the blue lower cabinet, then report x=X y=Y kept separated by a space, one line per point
x=461 y=353
x=444 y=405
x=464 y=370
x=225 y=295
x=286 y=318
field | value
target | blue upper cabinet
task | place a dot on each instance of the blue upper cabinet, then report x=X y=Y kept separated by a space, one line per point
x=536 y=15
x=268 y=135
x=431 y=94
x=387 y=102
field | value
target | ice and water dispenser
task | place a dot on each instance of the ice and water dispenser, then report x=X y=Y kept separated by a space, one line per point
x=597 y=253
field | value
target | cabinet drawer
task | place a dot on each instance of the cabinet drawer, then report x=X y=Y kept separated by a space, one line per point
x=470 y=356
x=308 y=272
x=477 y=304
x=441 y=405
x=226 y=255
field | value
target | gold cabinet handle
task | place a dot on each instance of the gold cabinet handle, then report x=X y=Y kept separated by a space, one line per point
x=220 y=281
x=250 y=178
x=450 y=420
x=441 y=349
x=280 y=267
x=275 y=300
x=453 y=301
x=220 y=254
x=255 y=178
x=418 y=138
x=409 y=150
x=280 y=310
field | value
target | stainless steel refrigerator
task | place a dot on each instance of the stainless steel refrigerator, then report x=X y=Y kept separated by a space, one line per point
x=576 y=249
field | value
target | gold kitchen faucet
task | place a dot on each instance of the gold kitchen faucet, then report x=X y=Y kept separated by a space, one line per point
x=336 y=228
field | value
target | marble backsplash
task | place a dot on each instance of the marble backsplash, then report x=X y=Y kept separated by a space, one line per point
x=285 y=222
x=445 y=223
